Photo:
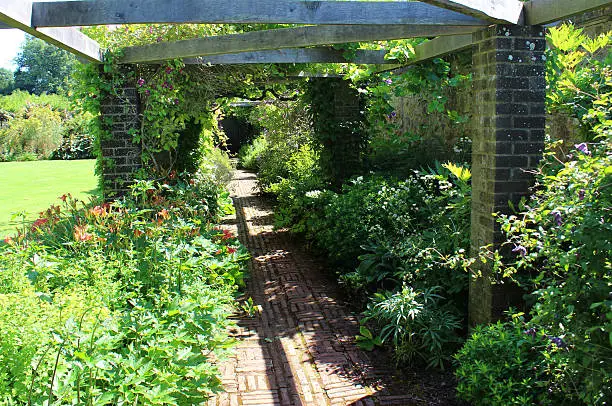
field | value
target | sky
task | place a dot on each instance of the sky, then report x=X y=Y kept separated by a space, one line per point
x=10 y=40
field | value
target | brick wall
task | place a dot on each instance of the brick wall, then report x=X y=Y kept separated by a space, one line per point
x=121 y=158
x=509 y=90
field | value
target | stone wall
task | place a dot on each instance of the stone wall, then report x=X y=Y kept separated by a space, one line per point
x=121 y=157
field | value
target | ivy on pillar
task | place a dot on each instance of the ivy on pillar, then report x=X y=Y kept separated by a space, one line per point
x=120 y=157
x=509 y=90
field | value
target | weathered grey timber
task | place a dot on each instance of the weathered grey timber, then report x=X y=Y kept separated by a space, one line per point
x=282 y=38
x=297 y=55
x=102 y=12
x=548 y=11
x=497 y=11
x=18 y=14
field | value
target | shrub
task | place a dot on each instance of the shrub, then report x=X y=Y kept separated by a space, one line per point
x=416 y=324
x=35 y=130
x=509 y=364
x=119 y=303
x=250 y=154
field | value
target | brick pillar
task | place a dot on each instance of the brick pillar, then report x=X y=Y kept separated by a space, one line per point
x=509 y=88
x=120 y=157
x=348 y=145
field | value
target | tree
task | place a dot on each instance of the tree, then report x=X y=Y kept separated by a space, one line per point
x=43 y=67
x=7 y=81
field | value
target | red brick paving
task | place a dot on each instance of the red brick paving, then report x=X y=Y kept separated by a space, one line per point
x=300 y=349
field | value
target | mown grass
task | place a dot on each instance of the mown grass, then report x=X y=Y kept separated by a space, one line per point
x=31 y=187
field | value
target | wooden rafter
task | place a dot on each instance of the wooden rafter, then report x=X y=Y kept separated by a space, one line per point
x=102 y=12
x=548 y=11
x=495 y=11
x=294 y=55
x=282 y=38
x=18 y=14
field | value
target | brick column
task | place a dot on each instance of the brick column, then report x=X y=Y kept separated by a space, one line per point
x=509 y=88
x=120 y=156
x=348 y=146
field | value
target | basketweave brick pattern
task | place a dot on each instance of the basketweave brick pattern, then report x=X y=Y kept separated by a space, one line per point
x=509 y=91
x=299 y=350
x=121 y=156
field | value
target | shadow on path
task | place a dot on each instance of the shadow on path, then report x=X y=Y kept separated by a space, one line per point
x=299 y=350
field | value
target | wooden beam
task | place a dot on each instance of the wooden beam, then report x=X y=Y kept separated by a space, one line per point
x=547 y=11
x=103 y=12
x=297 y=55
x=282 y=38
x=495 y=11
x=18 y=14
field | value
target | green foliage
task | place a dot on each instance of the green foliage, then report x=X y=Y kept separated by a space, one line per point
x=7 y=81
x=415 y=324
x=37 y=130
x=42 y=67
x=509 y=364
x=250 y=154
x=19 y=99
x=119 y=303
x=579 y=75
x=287 y=153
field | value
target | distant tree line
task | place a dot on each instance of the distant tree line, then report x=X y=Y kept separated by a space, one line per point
x=41 y=68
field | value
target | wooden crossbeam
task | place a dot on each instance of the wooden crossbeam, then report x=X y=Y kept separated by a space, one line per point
x=495 y=11
x=102 y=12
x=297 y=55
x=18 y=14
x=547 y=11
x=282 y=38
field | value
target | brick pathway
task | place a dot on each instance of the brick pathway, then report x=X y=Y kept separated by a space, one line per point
x=300 y=349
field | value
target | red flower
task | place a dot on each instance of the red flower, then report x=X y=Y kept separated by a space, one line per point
x=64 y=197
x=39 y=223
x=231 y=250
x=227 y=235
x=138 y=233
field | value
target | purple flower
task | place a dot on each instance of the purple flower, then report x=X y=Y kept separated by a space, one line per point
x=522 y=251
x=531 y=332
x=147 y=92
x=581 y=194
x=388 y=81
x=166 y=85
x=169 y=70
x=557 y=217
x=159 y=39
x=141 y=82
x=558 y=341
x=176 y=101
x=583 y=147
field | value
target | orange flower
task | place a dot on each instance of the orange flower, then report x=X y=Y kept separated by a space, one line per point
x=81 y=234
x=138 y=233
x=98 y=211
x=164 y=214
x=9 y=240
x=64 y=197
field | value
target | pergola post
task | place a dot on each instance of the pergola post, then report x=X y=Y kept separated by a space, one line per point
x=509 y=90
x=119 y=118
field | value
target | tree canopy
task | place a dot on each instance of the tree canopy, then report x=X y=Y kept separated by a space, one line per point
x=42 y=67
x=7 y=81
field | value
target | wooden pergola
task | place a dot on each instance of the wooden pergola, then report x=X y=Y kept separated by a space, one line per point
x=328 y=22
x=507 y=39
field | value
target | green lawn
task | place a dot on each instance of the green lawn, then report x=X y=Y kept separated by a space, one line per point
x=34 y=186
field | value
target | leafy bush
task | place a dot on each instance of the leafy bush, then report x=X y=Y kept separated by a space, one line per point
x=218 y=166
x=286 y=129
x=35 y=130
x=416 y=324
x=509 y=364
x=119 y=303
x=250 y=154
